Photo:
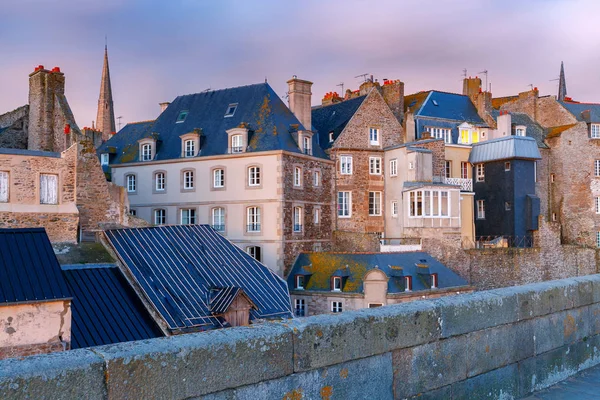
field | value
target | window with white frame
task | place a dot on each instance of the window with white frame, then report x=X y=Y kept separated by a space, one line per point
x=133 y=212
x=597 y=205
x=254 y=176
x=394 y=167
x=375 y=165
x=306 y=145
x=374 y=203
x=317 y=178
x=231 y=110
x=253 y=219
x=336 y=306
x=507 y=165
x=255 y=252
x=104 y=159
x=218 y=178
x=411 y=165
x=336 y=283
x=346 y=165
x=330 y=137
x=480 y=172
x=317 y=216
x=188 y=216
x=130 y=181
x=597 y=168
x=480 y=209
x=297 y=219
x=344 y=205
x=236 y=144
x=468 y=134
x=190 y=148
x=374 y=136
x=218 y=219
x=299 y=307
x=146 y=152
x=297 y=176
x=394 y=208
x=429 y=203
x=520 y=131
x=159 y=181
x=434 y=281
x=160 y=216
x=597 y=239
x=408 y=283
x=448 y=169
x=440 y=133
x=595 y=131
x=299 y=282
x=182 y=116
x=507 y=206
x=4 y=181
x=464 y=170
x=188 y=179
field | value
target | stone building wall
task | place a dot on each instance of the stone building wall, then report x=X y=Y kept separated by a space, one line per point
x=355 y=242
x=309 y=197
x=438 y=159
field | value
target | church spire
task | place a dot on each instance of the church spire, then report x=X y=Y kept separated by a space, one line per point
x=562 y=84
x=105 y=120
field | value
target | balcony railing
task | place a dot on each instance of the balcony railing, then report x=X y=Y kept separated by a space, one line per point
x=297 y=228
x=466 y=185
x=253 y=228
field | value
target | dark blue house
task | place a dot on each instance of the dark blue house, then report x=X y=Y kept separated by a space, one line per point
x=504 y=176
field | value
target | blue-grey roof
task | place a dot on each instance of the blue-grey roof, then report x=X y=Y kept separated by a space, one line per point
x=533 y=129
x=333 y=118
x=29 y=270
x=395 y=265
x=177 y=266
x=268 y=119
x=105 y=309
x=449 y=106
x=509 y=147
x=23 y=152
x=579 y=109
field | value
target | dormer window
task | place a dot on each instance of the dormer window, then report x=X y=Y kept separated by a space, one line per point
x=434 y=281
x=336 y=284
x=408 y=283
x=230 y=110
x=300 y=282
x=520 y=130
x=146 y=152
x=147 y=148
x=190 y=148
x=237 y=139
x=182 y=116
x=236 y=144
x=330 y=137
x=595 y=131
x=104 y=159
x=374 y=136
x=306 y=145
x=468 y=134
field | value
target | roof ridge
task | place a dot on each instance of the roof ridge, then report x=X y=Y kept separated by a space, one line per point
x=141 y=122
x=206 y=91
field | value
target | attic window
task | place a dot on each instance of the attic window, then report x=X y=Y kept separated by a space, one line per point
x=231 y=110
x=336 y=283
x=181 y=117
x=435 y=103
x=408 y=283
x=299 y=281
x=434 y=281
x=104 y=159
x=330 y=137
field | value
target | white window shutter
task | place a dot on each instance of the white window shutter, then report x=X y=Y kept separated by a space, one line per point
x=3 y=187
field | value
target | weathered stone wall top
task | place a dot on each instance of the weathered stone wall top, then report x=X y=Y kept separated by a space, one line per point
x=503 y=342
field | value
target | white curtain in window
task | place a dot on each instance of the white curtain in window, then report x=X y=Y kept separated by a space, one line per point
x=3 y=187
x=48 y=189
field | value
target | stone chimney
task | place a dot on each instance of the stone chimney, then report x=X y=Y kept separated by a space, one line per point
x=331 y=98
x=393 y=94
x=163 y=106
x=471 y=86
x=300 y=100
x=44 y=85
x=504 y=121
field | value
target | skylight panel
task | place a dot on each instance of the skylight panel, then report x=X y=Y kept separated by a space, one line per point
x=231 y=110
x=181 y=117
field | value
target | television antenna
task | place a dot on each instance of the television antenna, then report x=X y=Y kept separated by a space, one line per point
x=530 y=86
x=485 y=72
x=464 y=74
x=364 y=76
x=341 y=84
x=119 y=123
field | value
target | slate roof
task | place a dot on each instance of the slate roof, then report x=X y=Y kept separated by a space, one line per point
x=509 y=147
x=269 y=121
x=334 y=118
x=533 y=129
x=322 y=266
x=105 y=309
x=29 y=270
x=578 y=109
x=177 y=266
x=449 y=106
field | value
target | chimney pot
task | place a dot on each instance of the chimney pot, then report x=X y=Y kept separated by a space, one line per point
x=56 y=69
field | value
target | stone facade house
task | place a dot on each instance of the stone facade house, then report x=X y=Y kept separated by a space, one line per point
x=335 y=282
x=237 y=159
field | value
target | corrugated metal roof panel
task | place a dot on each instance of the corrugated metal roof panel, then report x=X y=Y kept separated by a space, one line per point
x=177 y=266
x=105 y=309
x=29 y=270
x=508 y=147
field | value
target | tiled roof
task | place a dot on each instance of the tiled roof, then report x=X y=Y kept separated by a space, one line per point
x=268 y=118
x=105 y=309
x=579 y=110
x=555 y=131
x=509 y=147
x=322 y=266
x=333 y=118
x=450 y=106
x=177 y=266
x=29 y=270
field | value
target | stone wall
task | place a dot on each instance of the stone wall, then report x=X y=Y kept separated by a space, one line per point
x=60 y=227
x=355 y=242
x=14 y=128
x=438 y=150
x=499 y=344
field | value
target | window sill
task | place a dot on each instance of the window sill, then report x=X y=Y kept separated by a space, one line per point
x=345 y=216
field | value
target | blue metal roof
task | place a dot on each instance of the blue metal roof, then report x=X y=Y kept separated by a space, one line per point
x=395 y=265
x=333 y=118
x=221 y=299
x=268 y=119
x=177 y=266
x=509 y=147
x=577 y=109
x=29 y=270
x=105 y=309
x=451 y=106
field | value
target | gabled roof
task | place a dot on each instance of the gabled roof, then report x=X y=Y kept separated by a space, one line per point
x=221 y=299
x=395 y=265
x=105 y=309
x=504 y=148
x=449 y=106
x=177 y=266
x=413 y=102
x=587 y=112
x=29 y=270
x=334 y=118
x=268 y=119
